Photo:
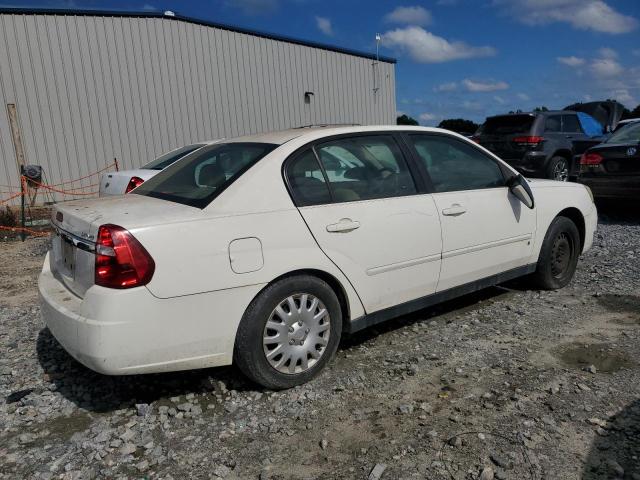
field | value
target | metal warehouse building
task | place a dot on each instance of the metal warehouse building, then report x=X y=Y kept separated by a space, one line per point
x=79 y=89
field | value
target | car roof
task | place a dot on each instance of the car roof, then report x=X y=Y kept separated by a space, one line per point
x=283 y=136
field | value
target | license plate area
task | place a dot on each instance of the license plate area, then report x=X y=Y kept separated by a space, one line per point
x=67 y=257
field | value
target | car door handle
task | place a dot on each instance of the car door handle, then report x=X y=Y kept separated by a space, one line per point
x=344 y=225
x=454 y=210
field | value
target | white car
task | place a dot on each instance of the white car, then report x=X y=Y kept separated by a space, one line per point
x=123 y=181
x=254 y=251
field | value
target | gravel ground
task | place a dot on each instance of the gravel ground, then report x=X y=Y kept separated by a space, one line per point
x=508 y=383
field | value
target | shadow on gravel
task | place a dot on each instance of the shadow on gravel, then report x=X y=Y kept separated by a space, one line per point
x=618 y=212
x=100 y=393
x=616 y=455
x=458 y=306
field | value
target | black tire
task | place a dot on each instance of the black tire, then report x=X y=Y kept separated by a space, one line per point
x=249 y=354
x=558 y=256
x=558 y=169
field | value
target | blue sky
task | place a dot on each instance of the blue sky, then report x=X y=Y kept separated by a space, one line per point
x=456 y=58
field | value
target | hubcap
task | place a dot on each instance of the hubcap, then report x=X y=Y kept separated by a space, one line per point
x=296 y=334
x=561 y=172
x=560 y=255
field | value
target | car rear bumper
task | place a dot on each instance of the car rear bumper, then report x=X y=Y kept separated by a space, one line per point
x=122 y=332
x=613 y=187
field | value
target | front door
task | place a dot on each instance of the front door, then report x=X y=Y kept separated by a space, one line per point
x=485 y=229
x=362 y=205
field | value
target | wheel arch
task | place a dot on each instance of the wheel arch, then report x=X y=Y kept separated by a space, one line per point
x=575 y=215
x=333 y=282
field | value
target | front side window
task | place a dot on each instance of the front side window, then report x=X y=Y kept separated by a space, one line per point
x=571 y=124
x=197 y=179
x=367 y=167
x=453 y=165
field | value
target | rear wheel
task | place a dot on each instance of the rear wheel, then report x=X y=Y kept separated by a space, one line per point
x=558 y=169
x=289 y=332
x=558 y=256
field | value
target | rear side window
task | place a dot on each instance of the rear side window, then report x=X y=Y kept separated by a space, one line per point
x=197 y=179
x=507 y=125
x=362 y=168
x=453 y=165
x=552 y=123
x=306 y=180
x=571 y=124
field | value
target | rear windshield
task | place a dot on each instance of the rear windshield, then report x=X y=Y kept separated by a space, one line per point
x=197 y=179
x=627 y=134
x=167 y=159
x=507 y=125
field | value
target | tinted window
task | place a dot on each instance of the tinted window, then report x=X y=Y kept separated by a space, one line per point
x=167 y=159
x=507 y=124
x=361 y=168
x=198 y=179
x=628 y=134
x=306 y=180
x=454 y=165
x=570 y=123
x=552 y=123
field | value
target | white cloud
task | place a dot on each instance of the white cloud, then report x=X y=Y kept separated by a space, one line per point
x=581 y=14
x=425 y=117
x=426 y=47
x=147 y=7
x=606 y=67
x=571 y=61
x=324 y=25
x=499 y=99
x=636 y=52
x=446 y=87
x=606 y=52
x=474 y=86
x=624 y=96
x=409 y=15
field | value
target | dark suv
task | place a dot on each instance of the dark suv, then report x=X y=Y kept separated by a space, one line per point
x=545 y=144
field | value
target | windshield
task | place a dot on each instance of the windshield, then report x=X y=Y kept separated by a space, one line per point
x=167 y=159
x=627 y=134
x=507 y=124
x=198 y=178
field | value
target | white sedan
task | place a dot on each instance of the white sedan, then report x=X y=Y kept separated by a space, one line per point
x=264 y=250
x=123 y=181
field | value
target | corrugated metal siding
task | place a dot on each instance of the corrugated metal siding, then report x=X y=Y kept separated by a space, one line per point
x=90 y=89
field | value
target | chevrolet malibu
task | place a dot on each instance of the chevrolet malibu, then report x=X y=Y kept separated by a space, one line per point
x=264 y=250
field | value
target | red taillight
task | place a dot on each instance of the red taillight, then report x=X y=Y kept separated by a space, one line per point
x=590 y=159
x=530 y=141
x=133 y=183
x=121 y=261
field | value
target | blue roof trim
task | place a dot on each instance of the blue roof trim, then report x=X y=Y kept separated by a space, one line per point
x=207 y=23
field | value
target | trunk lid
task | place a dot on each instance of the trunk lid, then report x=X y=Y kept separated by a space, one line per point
x=618 y=159
x=76 y=224
x=608 y=112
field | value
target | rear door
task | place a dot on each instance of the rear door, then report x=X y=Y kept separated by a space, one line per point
x=485 y=229
x=370 y=215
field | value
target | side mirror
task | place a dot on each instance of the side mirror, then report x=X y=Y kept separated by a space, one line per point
x=520 y=189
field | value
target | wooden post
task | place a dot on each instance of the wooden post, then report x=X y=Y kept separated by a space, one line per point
x=15 y=135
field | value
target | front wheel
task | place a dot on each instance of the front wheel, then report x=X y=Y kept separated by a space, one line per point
x=558 y=256
x=289 y=332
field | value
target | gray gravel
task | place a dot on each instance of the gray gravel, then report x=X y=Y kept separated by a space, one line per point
x=506 y=383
